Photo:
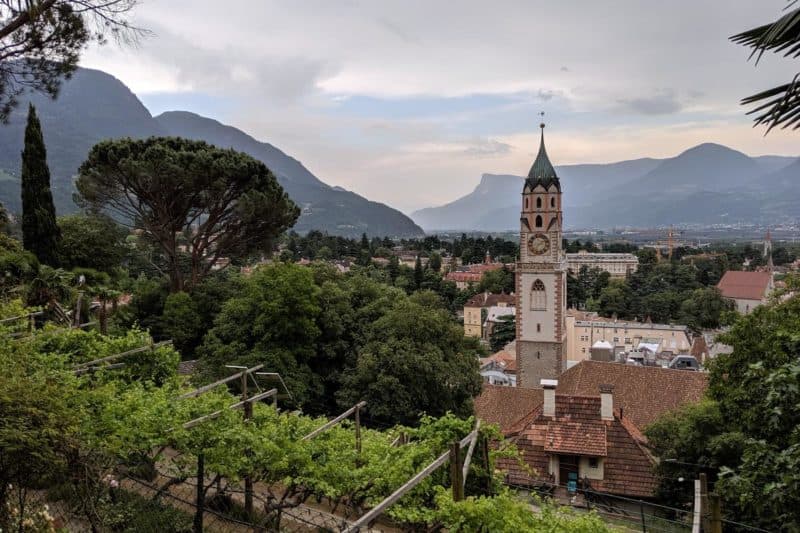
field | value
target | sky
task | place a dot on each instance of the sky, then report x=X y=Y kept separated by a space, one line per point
x=410 y=102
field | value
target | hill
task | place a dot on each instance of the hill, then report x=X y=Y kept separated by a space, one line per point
x=93 y=106
x=706 y=184
x=333 y=209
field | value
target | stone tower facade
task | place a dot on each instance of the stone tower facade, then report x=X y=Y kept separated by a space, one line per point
x=541 y=277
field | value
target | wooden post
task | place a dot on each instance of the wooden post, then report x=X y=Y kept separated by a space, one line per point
x=456 y=476
x=697 y=507
x=641 y=512
x=200 y=495
x=247 y=409
x=716 y=513
x=704 y=504
x=357 y=419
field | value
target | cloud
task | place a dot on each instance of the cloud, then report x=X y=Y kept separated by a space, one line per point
x=487 y=147
x=663 y=102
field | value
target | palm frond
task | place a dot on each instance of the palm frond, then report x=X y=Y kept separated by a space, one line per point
x=783 y=35
x=779 y=106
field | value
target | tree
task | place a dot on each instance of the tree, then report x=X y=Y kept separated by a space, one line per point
x=504 y=332
x=704 y=309
x=92 y=241
x=40 y=233
x=435 y=262
x=393 y=268
x=419 y=275
x=182 y=322
x=41 y=41
x=779 y=106
x=497 y=281
x=221 y=203
x=745 y=436
x=414 y=361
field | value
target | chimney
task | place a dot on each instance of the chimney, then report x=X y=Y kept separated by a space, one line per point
x=606 y=402
x=549 y=407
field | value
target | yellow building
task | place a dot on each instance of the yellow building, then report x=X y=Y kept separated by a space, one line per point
x=618 y=265
x=473 y=310
x=585 y=331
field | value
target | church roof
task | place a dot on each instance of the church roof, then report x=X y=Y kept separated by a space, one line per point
x=542 y=172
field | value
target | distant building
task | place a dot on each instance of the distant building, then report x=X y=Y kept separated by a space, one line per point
x=466 y=275
x=473 y=315
x=500 y=369
x=747 y=290
x=592 y=337
x=494 y=316
x=618 y=265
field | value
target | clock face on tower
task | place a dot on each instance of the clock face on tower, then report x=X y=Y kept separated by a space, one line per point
x=538 y=244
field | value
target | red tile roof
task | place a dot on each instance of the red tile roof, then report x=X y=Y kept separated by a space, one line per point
x=745 y=285
x=642 y=392
x=488 y=299
x=576 y=438
x=577 y=429
x=504 y=406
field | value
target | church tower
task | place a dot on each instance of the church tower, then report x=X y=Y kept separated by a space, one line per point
x=541 y=276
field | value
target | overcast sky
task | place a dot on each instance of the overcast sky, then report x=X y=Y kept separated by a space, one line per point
x=409 y=102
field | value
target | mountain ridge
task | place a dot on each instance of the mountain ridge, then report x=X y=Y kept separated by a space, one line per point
x=644 y=191
x=93 y=106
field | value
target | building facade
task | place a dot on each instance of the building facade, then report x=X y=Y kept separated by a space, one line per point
x=473 y=310
x=618 y=265
x=584 y=333
x=747 y=290
x=541 y=276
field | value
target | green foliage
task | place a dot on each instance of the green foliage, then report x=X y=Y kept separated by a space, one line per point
x=182 y=322
x=746 y=434
x=504 y=332
x=40 y=233
x=497 y=281
x=704 y=309
x=223 y=203
x=411 y=363
x=506 y=513
x=92 y=241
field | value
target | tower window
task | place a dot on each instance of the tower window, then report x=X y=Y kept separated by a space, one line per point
x=538 y=328
x=538 y=296
x=538 y=202
x=539 y=221
x=552 y=202
x=526 y=203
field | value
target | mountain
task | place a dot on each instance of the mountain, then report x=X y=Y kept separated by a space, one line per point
x=706 y=184
x=93 y=106
x=334 y=209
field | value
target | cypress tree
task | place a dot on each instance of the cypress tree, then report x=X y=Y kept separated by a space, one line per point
x=40 y=233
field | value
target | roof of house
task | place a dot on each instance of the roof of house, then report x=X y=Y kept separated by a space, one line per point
x=504 y=406
x=464 y=276
x=643 y=392
x=577 y=429
x=489 y=299
x=745 y=285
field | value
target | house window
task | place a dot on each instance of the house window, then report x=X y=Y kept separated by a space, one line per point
x=583 y=350
x=538 y=202
x=593 y=462
x=538 y=295
x=538 y=221
x=616 y=339
x=627 y=340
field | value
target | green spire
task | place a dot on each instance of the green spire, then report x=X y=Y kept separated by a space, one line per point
x=542 y=171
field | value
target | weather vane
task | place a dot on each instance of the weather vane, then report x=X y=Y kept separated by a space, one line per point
x=541 y=113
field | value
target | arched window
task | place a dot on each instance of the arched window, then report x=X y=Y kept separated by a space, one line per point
x=539 y=202
x=552 y=202
x=538 y=221
x=526 y=203
x=538 y=296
